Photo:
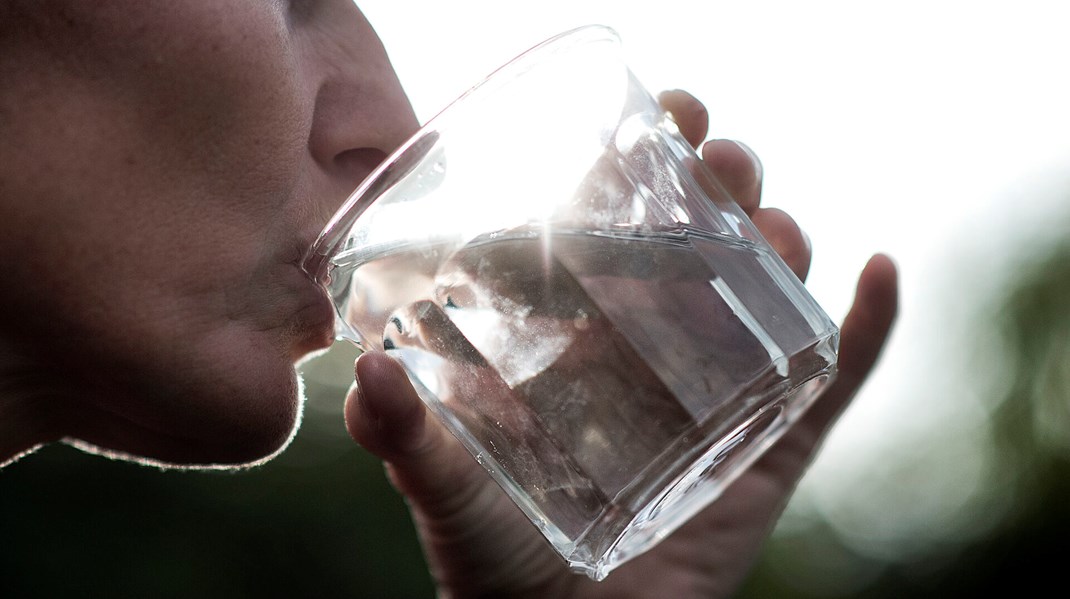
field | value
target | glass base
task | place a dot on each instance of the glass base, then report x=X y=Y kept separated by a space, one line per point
x=705 y=478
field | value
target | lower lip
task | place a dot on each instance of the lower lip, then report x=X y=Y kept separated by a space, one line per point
x=314 y=321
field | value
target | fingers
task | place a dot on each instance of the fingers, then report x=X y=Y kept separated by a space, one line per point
x=690 y=115
x=732 y=163
x=738 y=169
x=740 y=172
x=385 y=415
x=382 y=411
x=780 y=230
x=867 y=324
x=477 y=542
x=863 y=334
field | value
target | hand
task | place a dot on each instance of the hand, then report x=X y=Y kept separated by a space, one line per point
x=479 y=544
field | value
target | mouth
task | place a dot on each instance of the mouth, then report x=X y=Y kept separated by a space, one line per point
x=313 y=319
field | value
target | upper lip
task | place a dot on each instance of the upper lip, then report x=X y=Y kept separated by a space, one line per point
x=301 y=252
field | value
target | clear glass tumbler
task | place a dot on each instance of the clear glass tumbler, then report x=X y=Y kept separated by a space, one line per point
x=579 y=301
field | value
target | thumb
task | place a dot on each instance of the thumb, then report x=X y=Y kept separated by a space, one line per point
x=426 y=463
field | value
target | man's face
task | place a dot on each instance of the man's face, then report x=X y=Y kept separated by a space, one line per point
x=163 y=167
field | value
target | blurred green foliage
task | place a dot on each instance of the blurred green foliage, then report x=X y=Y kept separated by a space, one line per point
x=322 y=521
x=1029 y=397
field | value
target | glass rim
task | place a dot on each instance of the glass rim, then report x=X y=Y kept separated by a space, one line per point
x=407 y=156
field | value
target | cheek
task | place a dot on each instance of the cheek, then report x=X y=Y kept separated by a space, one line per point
x=153 y=184
x=209 y=109
x=229 y=400
x=172 y=148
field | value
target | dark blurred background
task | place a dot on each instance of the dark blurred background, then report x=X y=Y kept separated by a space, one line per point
x=321 y=520
x=318 y=521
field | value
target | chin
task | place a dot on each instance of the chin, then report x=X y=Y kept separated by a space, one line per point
x=246 y=434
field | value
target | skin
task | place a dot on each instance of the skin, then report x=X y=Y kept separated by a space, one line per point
x=163 y=166
x=162 y=176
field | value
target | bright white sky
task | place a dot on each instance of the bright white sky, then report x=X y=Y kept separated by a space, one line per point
x=938 y=132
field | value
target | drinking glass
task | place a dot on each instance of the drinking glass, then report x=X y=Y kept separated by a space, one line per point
x=579 y=301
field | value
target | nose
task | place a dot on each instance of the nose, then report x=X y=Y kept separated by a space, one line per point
x=361 y=112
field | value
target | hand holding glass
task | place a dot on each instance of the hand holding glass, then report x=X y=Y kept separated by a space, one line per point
x=578 y=300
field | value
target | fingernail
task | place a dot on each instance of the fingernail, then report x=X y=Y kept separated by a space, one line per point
x=758 y=170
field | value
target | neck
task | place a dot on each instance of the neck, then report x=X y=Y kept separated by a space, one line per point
x=24 y=407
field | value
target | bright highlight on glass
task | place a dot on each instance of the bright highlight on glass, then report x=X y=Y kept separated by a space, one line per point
x=578 y=300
